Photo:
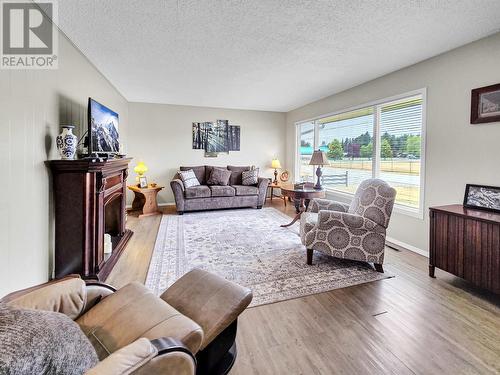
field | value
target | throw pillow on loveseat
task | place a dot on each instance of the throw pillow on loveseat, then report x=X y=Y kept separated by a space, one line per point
x=189 y=178
x=219 y=176
x=250 y=177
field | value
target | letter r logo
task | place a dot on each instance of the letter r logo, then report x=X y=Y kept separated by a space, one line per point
x=26 y=29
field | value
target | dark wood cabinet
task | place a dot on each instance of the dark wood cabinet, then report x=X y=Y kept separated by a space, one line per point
x=89 y=201
x=466 y=243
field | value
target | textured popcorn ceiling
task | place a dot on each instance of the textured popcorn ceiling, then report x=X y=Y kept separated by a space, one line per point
x=266 y=55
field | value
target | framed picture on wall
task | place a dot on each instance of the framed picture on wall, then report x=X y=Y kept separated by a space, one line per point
x=485 y=104
x=216 y=137
x=482 y=197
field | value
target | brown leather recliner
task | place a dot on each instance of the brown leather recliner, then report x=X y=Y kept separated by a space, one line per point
x=190 y=328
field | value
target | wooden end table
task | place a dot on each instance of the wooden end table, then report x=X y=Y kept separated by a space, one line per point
x=273 y=186
x=301 y=198
x=145 y=200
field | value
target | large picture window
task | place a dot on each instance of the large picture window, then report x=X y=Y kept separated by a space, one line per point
x=382 y=140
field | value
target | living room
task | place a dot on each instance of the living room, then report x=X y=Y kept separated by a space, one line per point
x=250 y=187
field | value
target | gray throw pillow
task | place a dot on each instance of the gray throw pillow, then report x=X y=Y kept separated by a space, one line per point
x=219 y=176
x=189 y=178
x=250 y=177
x=42 y=342
x=236 y=174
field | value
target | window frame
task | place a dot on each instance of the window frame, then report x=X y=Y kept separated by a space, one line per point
x=296 y=169
x=377 y=104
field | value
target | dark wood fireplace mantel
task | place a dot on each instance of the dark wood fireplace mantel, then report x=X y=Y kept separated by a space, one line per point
x=89 y=201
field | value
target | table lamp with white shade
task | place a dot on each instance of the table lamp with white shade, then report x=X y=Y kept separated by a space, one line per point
x=275 y=163
x=319 y=159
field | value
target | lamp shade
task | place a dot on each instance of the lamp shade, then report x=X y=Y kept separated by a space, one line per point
x=140 y=168
x=319 y=158
x=275 y=164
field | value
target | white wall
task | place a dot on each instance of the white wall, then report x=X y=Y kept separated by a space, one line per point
x=456 y=152
x=161 y=136
x=32 y=106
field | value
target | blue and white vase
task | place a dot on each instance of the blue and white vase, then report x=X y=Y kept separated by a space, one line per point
x=66 y=142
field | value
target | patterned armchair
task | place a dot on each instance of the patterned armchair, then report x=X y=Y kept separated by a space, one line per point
x=355 y=231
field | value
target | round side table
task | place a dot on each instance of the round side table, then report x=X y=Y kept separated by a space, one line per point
x=301 y=198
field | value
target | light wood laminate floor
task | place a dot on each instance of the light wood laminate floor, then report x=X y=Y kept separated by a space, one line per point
x=410 y=324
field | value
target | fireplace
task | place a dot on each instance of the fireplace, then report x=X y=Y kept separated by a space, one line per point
x=89 y=202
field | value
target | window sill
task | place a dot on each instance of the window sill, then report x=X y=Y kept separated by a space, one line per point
x=398 y=208
x=405 y=210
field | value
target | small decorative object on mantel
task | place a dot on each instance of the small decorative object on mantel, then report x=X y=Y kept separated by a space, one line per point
x=285 y=176
x=318 y=158
x=216 y=137
x=485 y=104
x=275 y=163
x=66 y=143
x=482 y=197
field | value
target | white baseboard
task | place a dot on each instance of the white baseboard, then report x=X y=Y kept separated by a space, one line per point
x=400 y=245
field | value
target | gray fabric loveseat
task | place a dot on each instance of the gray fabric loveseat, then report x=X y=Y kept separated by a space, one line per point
x=211 y=197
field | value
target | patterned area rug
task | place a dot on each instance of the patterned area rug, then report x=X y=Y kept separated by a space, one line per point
x=248 y=246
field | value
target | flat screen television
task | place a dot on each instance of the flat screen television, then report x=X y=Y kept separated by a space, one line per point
x=102 y=130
